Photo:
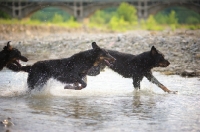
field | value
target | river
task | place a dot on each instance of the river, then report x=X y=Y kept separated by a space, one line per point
x=108 y=104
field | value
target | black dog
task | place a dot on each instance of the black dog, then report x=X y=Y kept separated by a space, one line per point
x=67 y=70
x=10 y=55
x=136 y=66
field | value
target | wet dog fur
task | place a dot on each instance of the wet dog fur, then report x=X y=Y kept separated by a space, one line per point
x=136 y=66
x=10 y=55
x=67 y=70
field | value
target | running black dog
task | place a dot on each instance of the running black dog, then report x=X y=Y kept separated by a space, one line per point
x=67 y=70
x=136 y=66
x=10 y=55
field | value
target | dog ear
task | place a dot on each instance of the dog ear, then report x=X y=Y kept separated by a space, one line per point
x=95 y=46
x=9 y=47
x=153 y=50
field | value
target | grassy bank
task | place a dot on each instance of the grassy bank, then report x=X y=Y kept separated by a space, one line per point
x=68 y=24
x=117 y=26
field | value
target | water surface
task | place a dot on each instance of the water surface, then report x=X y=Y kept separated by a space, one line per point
x=108 y=104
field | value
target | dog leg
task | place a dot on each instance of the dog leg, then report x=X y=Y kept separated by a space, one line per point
x=94 y=71
x=83 y=84
x=85 y=79
x=136 y=90
x=35 y=80
x=72 y=79
x=80 y=80
x=13 y=67
x=67 y=80
x=68 y=86
x=166 y=90
x=152 y=79
x=76 y=85
x=136 y=83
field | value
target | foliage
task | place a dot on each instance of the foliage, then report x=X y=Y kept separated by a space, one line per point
x=72 y=23
x=190 y=27
x=47 y=14
x=98 y=17
x=4 y=15
x=172 y=21
x=118 y=24
x=182 y=15
x=151 y=24
x=193 y=27
x=193 y=20
x=161 y=18
x=121 y=19
x=172 y=18
x=30 y=22
x=57 y=18
x=127 y=12
x=103 y=16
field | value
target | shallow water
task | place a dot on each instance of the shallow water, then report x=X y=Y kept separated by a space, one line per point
x=108 y=104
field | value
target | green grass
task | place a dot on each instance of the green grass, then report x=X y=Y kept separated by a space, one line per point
x=118 y=25
x=69 y=24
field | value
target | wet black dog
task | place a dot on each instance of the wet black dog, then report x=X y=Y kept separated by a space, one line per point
x=10 y=55
x=67 y=70
x=136 y=66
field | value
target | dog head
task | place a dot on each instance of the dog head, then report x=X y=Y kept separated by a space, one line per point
x=103 y=56
x=159 y=59
x=13 y=54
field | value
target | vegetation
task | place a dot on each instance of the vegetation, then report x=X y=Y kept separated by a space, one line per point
x=122 y=18
x=182 y=14
x=49 y=14
x=151 y=24
x=4 y=15
x=118 y=19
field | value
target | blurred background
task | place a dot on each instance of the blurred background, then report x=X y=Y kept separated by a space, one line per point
x=108 y=15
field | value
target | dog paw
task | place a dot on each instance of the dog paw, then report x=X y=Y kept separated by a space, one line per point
x=69 y=87
x=173 y=92
x=78 y=88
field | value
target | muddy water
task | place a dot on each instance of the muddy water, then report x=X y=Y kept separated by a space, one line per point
x=108 y=104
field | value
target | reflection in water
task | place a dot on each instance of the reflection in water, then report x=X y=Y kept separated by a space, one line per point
x=109 y=103
x=136 y=99
x=40 y=105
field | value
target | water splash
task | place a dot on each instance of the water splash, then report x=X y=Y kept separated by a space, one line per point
x=108 y=83
x=12 y=83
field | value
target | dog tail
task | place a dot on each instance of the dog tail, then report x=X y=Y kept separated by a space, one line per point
x=26 y=68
